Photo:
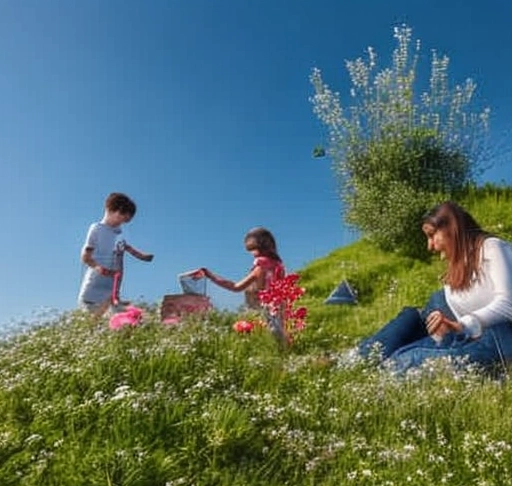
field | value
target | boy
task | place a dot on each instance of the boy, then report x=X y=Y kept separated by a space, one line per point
x=103 y=254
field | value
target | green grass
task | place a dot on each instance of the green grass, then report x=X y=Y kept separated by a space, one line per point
x=198 y=404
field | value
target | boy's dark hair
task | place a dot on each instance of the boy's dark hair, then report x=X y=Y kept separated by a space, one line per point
x=117 y=201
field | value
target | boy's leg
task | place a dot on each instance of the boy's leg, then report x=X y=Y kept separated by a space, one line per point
x=102 y=308
x=97 y=309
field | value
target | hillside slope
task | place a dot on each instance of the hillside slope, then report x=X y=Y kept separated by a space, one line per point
x=385 y=282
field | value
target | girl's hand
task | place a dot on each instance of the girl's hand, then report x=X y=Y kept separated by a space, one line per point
x=202 y=272
x=146 y=257
x=199 y=273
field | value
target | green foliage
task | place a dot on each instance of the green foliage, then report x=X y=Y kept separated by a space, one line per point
x=199 y=405
x=396 y=151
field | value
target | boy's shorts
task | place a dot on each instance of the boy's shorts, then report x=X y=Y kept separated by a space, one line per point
x=100 y=308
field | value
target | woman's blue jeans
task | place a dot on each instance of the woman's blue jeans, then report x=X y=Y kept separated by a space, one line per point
x=406 y=328
x=404 y=340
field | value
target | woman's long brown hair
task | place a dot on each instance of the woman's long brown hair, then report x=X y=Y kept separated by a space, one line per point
x=465 y=238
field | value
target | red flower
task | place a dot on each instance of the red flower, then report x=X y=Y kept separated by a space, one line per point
x=301 y=313
x=280 y=298
x=243 y=326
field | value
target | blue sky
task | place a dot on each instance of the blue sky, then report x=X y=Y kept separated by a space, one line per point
x=199 y=110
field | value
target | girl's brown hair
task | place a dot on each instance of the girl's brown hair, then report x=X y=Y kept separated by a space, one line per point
x=263 y=240
x=465 y=238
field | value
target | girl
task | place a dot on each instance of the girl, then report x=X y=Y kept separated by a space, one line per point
x=472 y=315
x=267 y=266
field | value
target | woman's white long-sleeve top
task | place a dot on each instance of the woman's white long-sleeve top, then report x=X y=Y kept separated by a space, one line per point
x=489 y=299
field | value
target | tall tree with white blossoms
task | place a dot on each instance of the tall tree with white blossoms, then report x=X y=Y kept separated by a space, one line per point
x=396 y=150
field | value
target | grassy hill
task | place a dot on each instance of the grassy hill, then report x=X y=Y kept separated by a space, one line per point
x=197 y=404
x=385 y=282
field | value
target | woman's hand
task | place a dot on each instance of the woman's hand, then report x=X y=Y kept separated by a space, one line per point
x=438 y=324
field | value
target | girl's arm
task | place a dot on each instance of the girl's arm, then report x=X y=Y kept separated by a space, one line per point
x=147 y=257
x=251 y=277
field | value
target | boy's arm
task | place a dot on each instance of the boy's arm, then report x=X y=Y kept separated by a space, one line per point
x=147 y=257
x=89 y=260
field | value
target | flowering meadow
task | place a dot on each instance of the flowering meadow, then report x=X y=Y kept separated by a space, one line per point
x=197 y=403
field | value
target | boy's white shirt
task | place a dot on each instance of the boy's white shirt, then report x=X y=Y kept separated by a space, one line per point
x=104 y=240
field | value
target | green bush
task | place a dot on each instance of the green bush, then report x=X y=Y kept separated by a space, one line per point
x=397 y=152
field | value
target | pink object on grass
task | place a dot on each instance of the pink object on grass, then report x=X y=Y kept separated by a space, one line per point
x=132 y=316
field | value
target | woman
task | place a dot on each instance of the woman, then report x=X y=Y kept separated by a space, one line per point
x=472 y=316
